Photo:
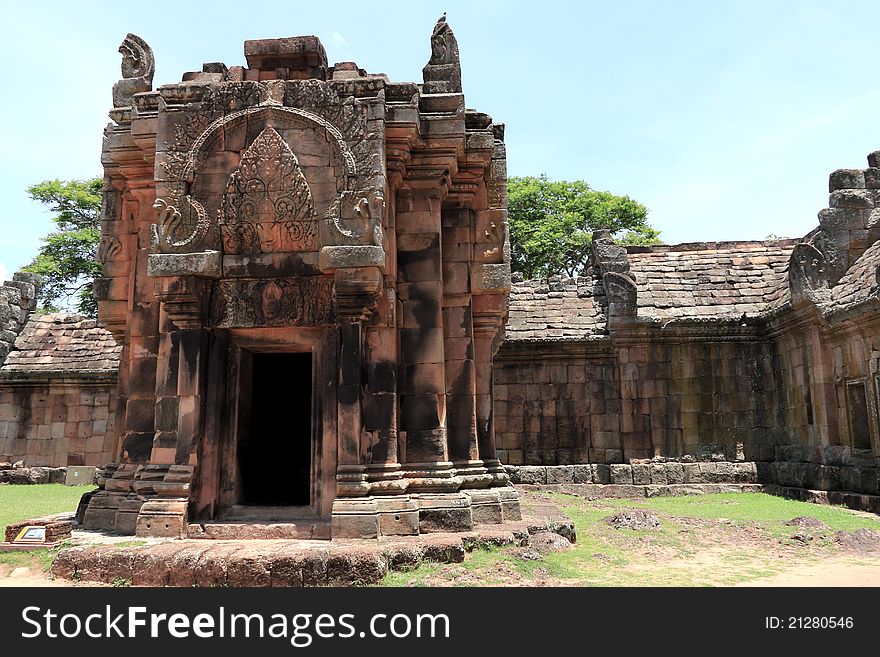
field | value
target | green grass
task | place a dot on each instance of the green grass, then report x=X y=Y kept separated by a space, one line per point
x=676 y=554
x=23 y=502
x=746 y=508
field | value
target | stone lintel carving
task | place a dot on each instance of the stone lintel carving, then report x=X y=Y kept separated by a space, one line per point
x=207 y=264
x=442 y=75
x=621 y=292
x=138 y=66
x=245 y=302
x=807 y=273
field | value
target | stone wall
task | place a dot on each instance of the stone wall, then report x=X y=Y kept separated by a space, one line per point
x=58 y=423
x=58 y=393
x=737 y=352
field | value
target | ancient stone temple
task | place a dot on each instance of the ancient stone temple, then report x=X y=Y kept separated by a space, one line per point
x=307 y=268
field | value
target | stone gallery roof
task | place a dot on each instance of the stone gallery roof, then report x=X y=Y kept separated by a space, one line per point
x=721 y=280
x=559 y=309
x=60 y=344
x=711 y=279
x=858 y=284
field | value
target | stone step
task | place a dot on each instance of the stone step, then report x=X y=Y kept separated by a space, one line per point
x=306 y=529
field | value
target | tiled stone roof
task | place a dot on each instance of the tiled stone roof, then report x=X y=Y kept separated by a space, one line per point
x=62 y=344
x=859 y=283
x=561 y=309
x=713 y=279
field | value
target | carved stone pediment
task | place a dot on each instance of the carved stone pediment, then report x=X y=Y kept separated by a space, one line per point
x=268 y=205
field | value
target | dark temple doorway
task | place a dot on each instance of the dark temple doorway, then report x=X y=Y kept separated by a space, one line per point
x=275 y=457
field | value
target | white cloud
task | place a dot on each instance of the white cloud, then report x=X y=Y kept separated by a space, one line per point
x=338 y=40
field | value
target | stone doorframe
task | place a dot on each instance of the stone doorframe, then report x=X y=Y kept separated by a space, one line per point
x=239 y=347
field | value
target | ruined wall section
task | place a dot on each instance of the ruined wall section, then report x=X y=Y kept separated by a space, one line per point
x=57 y=390
x=18 y=298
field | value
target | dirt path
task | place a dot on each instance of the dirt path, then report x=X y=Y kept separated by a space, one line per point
x=833 y=572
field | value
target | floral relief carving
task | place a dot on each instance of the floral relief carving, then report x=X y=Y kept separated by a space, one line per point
x=268 y=205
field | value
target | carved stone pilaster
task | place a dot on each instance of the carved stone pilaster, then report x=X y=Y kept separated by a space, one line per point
x=183 y=300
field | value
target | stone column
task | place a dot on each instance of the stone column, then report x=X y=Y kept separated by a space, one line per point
x=458 y=343
x=398 y=514
x=423 y=406
x=355 y=513
x=488 y=330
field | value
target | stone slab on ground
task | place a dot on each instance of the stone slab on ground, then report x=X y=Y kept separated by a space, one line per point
x=278 y=562
x=856 y=501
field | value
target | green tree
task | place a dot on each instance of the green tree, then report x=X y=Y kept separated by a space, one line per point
x=551 y=224
x=66 y=260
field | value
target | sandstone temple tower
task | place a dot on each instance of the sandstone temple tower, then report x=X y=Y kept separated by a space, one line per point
x=308 y=269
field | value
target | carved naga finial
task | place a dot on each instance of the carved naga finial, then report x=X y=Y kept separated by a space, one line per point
x=444 y=47
x=443 y=72
x=138 y=66
x=356 y=219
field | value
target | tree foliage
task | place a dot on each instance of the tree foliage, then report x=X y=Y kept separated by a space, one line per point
x=66 y=260
x=551 y=224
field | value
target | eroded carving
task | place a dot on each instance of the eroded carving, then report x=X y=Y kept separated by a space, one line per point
x=442 y=74
x=108 y=249
x=835 y=255
x=180 y=229
x=807 y=271
x=240 y=303
x=356 y=219
x=444 y=46
x=138 y=66
x=268 y=205
x=621 y=291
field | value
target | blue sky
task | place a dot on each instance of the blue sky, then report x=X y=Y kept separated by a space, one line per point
x=725 y=119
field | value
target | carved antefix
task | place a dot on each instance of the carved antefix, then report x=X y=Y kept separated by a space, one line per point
x=268 y=206
x=137 y=70
x=807 y=272
x=241 y=303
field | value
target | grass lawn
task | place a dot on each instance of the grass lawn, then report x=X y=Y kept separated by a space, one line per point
x=23 y=502
x=705 y=540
